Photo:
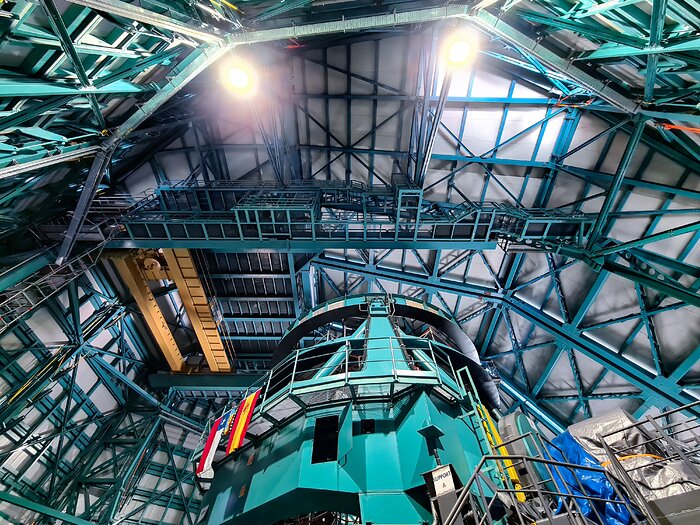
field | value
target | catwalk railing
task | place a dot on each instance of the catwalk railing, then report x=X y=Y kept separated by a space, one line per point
x=336 y=372
x=480 y=498
x=548 y=488
x=236 y=216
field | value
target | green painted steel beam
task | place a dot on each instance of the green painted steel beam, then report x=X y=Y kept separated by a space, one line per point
x=21 y=87
x=605 y=179
x=657 y=282
x=208 y=55
x=558 y=63
x=607 y=52
x=611 y=193
x=532 y=406
x=16 y=274
x=59 y=27
x=145 y=16
x=661 y=146
x=168 y=412
x=32 y=111
x=598 y=9
x=656 y=31
x=687 y=364
x=194 y=64
x=33 y=506
x=661 y=390
x=664 y=261
x=593 y=32
x=105 y=82
x=29 y=36
x=232 y=382
x=685 y=117
x=660 y=236
x=126 y=475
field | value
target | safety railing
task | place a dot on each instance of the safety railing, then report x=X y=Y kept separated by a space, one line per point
x=304 y=224
x=657 y=456
x=348 y=362
x=330 y=211
x=632 y=458
x=546 y=491
x=341 y=371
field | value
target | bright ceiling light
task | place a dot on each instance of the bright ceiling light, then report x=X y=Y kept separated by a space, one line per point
x=240 y=79
x=459 y=50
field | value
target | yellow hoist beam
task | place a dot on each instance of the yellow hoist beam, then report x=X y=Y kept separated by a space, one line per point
x=132 y=275
x=184 y=273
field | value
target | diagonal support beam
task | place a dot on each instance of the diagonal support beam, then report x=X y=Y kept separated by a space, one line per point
x=611 y=194
x=132 y=12
x=532 y=407
x=50 y=160
x=559 y=64
x=58 y=26
x=194 y=64
x=661 y=390
x=656 y=31
x=42 y=509
x=97 y=170
x=666 y=234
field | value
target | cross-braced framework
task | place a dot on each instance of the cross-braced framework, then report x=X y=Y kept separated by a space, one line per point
x=83 y=441
x=578 y=113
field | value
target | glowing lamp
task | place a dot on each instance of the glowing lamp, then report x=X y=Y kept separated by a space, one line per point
x=240 y=79
x=459 y=50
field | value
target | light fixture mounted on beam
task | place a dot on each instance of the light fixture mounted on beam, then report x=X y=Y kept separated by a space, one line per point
x=240 y=78
x=459 y=49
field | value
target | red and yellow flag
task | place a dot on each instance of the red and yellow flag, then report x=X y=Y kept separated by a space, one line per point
x=241 y=422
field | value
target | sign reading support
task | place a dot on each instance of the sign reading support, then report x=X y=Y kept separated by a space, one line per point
x=442 y=480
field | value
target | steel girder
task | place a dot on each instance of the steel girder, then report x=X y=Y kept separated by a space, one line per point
x=482 y=17
x=350 y=217
x=140 y=426
x=236 y=383
x=43 y=510
x=310 y=278
x=125 y=10
x=204 y=57
x=315 y=30
x=650 y=386
x=637 y=34
x=195 y=63
x=102 y=160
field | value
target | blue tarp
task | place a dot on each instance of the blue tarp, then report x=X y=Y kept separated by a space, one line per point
x=593 y=483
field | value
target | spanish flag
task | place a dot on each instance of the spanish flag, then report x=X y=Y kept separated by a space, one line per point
x=241 y=422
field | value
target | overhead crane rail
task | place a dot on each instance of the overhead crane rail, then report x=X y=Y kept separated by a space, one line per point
x=238 y=216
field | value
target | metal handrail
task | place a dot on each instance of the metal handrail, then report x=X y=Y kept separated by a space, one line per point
x=278 y=385
x=472 y=486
